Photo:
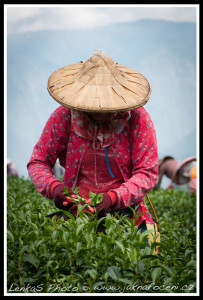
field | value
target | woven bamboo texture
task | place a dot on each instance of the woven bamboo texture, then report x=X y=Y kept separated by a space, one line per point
x=99 y=85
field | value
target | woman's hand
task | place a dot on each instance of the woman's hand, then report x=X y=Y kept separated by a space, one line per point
x=61 y=201
x=105 y=205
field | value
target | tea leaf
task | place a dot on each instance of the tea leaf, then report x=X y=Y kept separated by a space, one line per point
x=145 y=234
x=10 y=235
x=31 y=236
x=66 y=237
x=167 y=270
x=79 y=228
x=156 y=274
x=31 y=259
x=92 y=273
x=95 y=198
x=114 y=272
x=121 y=246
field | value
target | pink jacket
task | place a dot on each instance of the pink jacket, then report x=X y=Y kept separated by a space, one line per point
x=135 y=150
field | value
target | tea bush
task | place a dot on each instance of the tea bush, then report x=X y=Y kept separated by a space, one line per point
x=47 y=255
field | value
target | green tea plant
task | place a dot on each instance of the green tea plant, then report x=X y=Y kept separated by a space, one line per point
x=95 y=198
x=71 y=255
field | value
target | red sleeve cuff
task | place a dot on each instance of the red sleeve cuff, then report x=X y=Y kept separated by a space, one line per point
x=53 y=185
x=113 y=197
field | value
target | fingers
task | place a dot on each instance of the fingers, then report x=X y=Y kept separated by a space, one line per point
x=68 y=200
x=89 y=208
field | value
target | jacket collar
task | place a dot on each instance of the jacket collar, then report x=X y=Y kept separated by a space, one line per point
x=104 y=133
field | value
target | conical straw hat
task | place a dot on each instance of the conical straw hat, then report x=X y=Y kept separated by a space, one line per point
x=99 y=85
x=182 y=174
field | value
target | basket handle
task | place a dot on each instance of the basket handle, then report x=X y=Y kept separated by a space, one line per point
x=153 y=211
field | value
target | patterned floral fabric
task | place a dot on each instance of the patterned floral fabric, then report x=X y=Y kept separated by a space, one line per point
x=90 y=130
x=131 y=139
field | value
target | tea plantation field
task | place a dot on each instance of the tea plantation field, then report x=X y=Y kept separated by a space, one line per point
x=53 y=256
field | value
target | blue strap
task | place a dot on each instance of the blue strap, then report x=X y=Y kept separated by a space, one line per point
x=107 y=162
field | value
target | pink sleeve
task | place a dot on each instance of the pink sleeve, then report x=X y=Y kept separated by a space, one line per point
x=51 y=144
x=144 y=159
